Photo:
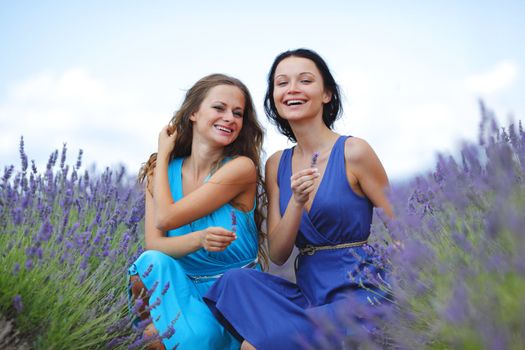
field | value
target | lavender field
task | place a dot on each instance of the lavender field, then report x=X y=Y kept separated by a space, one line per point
x=454 y=253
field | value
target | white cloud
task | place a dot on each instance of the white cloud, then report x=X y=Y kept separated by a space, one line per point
x=110 y=124
x=496 y=79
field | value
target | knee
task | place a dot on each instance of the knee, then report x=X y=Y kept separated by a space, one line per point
x=237 y=277
x=155 y=257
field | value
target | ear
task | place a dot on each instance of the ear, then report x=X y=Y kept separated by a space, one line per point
x=327 y=96
x=193 y=117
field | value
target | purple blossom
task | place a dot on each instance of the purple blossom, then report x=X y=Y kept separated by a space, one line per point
x=45 y=232
x=8 y=172
x=148 y=271
x=166 y=287
x=313 y=162
x=234 y=221
x=23 y=156
x=139 y=303
x=29 y=264
x=79 y=159
x=17 y=303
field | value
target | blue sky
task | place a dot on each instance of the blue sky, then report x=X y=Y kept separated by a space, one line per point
x=105 y=76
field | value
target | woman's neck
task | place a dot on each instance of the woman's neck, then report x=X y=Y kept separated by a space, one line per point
x=202 y=159
x=312 y=137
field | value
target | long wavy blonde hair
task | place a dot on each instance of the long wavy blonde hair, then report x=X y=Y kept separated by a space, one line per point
x=248 y=143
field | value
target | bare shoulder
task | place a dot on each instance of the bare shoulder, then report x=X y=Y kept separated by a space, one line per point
x=274 y=159
x=240 y=167
x=357 y=150
x=272 y=165
x=241 y=161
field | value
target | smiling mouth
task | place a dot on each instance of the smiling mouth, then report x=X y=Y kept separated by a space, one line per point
x=294 y=102
x=223 y=129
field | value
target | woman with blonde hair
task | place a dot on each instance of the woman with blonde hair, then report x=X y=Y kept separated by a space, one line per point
x=202 y=214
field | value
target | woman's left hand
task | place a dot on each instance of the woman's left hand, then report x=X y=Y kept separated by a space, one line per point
x=167 y=138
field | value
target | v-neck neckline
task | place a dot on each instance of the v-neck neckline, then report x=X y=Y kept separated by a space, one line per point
x=181 y=180
x=321 y=181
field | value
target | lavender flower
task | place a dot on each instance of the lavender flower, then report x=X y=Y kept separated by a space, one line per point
x=17 y=303
x=148 y=271
x=234 y=221
x=23 y=156
x=313 y=162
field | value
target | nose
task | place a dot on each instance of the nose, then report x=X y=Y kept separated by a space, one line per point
x=228 y=116
x=293 y=87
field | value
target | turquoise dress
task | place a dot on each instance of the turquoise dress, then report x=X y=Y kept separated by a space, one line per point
x=178 y=284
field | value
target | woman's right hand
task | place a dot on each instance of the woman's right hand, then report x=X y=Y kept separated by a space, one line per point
x=302 y=184
x=216 y=239
x=167 y=140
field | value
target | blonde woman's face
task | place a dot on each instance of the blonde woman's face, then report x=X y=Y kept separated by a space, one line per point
x=220 y=115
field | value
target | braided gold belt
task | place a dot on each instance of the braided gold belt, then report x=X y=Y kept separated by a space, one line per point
x=311 y=250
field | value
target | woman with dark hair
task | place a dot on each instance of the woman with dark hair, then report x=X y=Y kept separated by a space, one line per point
x=202 y=214
x=321 y=195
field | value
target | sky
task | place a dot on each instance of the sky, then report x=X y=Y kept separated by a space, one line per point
x=105 y=76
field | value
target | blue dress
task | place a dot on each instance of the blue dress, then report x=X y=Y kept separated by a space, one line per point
x=273 y=313
x=178 y=284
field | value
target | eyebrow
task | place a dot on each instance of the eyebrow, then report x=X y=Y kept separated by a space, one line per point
x=284 y=75
x=224 y=104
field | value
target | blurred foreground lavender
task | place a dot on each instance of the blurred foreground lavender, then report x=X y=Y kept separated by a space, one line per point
x=66 y=240
x=455 y=252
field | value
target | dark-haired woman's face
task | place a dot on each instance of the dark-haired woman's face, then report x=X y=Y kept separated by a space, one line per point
x=299 y=89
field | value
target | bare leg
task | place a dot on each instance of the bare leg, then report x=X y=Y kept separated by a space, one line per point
x=149 y=332
x=138 y=290
x=247 y=346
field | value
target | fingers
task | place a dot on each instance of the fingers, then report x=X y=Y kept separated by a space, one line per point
x=217 y=239
x=166 y=140
x=304 y=180
x=171 y=130
x=303 y=183
x=310 y=172
x=167 y=132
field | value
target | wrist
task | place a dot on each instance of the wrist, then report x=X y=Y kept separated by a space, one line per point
x=296 y=204
x=198 y=239
x=163 y=158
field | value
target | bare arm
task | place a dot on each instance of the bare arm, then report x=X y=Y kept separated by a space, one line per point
x=230 y=181
x=282 y=231
x=364 y=164
x=155 y=239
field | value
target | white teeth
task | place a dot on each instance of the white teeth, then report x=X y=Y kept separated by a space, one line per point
x=294 y=102
x=222 y=128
